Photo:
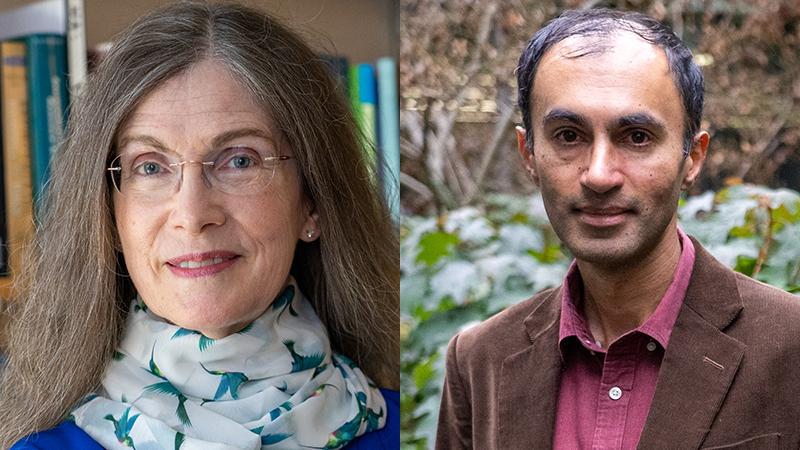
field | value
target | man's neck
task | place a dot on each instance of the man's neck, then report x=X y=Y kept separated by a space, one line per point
x=619 y=300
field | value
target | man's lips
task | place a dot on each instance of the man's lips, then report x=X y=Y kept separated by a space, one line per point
x=193 y=265
x=603 y=216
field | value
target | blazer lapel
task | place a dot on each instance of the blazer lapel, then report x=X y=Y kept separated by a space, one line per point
x=529 y=382
x=700 y=362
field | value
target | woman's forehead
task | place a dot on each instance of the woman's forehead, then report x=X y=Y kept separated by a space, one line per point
x=198 y=104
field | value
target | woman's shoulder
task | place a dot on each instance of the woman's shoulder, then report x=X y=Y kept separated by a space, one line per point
x=388 y=437
x=66 y=436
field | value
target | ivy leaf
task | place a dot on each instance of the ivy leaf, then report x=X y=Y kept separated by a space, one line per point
x=435 y=246
x=424 y=372
x=745 y=265
x=782 y=215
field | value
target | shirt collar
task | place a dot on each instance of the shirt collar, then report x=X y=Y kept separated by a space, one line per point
x=658 y=326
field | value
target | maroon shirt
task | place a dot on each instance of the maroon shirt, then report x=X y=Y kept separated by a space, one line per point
x=605 y=393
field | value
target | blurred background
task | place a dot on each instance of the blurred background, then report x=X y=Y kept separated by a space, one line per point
x=474 y=236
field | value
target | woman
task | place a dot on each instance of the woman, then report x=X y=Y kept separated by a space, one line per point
x=215 y=268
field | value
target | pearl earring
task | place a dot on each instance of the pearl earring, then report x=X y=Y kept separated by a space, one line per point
x=309 y=233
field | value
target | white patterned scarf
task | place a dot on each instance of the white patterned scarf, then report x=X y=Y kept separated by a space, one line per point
x=274 y=384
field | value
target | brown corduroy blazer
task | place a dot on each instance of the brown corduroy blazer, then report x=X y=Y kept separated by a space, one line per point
x=730 y=377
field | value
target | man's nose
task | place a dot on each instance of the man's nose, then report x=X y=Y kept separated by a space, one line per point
x=195 y=205
x=601 y=174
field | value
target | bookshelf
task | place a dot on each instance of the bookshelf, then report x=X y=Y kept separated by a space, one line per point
x=322 y=22
x=328 y=25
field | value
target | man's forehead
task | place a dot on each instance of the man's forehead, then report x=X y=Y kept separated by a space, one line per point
x=622 y=44
x=605 y=78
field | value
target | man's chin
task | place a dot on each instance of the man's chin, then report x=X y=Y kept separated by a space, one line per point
x=612 y=252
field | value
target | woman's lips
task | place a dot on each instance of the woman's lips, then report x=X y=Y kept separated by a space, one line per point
x=201 y=264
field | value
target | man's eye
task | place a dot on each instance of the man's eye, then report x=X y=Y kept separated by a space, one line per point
x=639 y=137
x=567 y=136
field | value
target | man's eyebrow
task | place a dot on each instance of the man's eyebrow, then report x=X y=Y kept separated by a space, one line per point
x=640 y=119
x=217 y=142
x=563 y=115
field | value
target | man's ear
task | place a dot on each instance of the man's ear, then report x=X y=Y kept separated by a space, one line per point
x=526 y=154
x=695 y=159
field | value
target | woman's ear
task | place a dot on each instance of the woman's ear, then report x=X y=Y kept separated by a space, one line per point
x=310 y=230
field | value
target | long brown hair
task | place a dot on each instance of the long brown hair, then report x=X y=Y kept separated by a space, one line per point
x=74 y=290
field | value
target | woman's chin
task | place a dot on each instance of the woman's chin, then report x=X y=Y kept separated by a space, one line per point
x=210 y=321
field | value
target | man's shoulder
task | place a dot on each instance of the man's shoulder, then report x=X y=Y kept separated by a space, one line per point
x=506 y=332
x=756 y=293
x=762 y=301
x=715 y=285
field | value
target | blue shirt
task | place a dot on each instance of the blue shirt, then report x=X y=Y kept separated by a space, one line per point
x=68 y=436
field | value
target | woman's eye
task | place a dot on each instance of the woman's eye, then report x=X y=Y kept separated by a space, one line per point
x=239 y=158
x=241 y=162
x=148 y=168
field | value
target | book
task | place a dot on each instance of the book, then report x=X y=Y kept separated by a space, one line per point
x=339 y=68
x=389 y=133
x=47 y=90
x=368 y=103
x=4 y=269
x=352 y=92
x=45 y=16
x=76 y=41
x=16 y=158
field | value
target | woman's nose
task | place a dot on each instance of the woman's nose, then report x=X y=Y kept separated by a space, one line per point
x=196 y=205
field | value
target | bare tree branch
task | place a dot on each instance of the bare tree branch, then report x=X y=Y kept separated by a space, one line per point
x=415 y=185
x=764 y=147
x=501 y=130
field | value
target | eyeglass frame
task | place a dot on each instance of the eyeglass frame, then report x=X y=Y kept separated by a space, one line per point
x=112 y=170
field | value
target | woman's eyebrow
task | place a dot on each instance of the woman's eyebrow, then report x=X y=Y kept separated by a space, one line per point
x=144 y=139
x=218 y=141
x=229 y=135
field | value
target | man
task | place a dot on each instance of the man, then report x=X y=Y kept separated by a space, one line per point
x=650 y=342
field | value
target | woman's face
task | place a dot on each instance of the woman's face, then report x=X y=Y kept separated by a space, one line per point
x=204 y=259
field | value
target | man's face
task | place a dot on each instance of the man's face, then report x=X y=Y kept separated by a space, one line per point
x=607 y=147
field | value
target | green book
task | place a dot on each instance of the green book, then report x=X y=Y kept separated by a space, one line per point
x=48 y=99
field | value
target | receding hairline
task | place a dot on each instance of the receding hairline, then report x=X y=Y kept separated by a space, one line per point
x=598 y=45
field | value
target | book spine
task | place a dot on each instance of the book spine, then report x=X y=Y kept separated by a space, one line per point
x=339 y=67
x=76 y=42
x=368 y=98
x=47 y=90
x=389 y=128
x=16 y=156
x=4 y=269
x=352 y=92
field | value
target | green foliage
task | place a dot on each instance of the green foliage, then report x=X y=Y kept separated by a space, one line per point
x=460 y=268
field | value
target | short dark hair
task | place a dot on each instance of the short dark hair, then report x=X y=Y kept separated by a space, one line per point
x=604 y=22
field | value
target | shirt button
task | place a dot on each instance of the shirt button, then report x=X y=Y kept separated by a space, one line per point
x=615 y=393
x=651 y=346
